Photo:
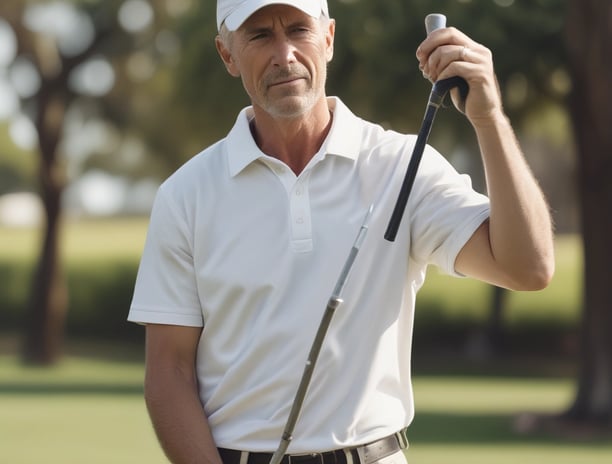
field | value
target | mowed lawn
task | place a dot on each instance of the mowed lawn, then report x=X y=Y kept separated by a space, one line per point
x=83 y=411
x=90 y=410
x=80 y=240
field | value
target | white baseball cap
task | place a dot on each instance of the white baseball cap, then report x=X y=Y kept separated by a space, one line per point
x=234 y=12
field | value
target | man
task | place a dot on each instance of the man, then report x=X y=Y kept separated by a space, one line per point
x=247 y=240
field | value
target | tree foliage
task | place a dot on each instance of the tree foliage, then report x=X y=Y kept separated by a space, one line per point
x=374 y=67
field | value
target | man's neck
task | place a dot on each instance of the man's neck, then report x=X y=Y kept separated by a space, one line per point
x=293 y=141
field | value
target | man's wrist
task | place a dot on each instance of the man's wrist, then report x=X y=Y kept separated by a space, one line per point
x=495 y=118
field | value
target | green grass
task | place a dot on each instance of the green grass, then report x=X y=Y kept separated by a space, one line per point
x=117 y=238
x=84 y=410
x=89 y=409
x=471 y=420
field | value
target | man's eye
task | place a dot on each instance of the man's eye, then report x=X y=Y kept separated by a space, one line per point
x=259 y=36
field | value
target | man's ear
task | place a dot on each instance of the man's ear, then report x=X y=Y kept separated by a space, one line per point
x=226 y=57
x=329 y=38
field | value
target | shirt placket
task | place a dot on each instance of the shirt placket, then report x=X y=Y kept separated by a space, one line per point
x=300 y=218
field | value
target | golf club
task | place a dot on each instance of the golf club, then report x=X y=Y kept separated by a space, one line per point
x=436 y=97
x=439 y=91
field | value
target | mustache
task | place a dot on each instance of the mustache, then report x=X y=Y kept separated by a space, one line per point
x=286 y=74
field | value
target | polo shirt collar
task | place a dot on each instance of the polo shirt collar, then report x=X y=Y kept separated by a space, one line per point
x=344 y=138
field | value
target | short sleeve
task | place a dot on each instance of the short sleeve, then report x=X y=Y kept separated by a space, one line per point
x=165 y=290
x=445 y=214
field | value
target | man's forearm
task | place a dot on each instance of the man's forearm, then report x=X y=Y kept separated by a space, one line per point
x=179 y=419
x=520 y=229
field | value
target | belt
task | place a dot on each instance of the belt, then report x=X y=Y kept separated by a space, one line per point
x=364 y=454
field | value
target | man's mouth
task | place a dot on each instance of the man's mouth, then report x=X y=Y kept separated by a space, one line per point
x=286 y=81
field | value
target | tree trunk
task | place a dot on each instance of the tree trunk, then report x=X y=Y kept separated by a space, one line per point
x=48 y=302
x=589 y=37
x=47 y=307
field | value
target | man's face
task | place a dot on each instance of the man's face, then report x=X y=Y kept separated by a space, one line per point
x=281 y=55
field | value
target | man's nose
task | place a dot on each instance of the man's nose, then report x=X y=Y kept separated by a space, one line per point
x=284 y=52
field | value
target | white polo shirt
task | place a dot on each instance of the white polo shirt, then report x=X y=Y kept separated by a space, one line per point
x=241 y=246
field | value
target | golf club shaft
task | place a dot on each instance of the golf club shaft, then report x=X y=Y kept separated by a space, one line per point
x=413 y=166
x=333 y=303
x=436 y=97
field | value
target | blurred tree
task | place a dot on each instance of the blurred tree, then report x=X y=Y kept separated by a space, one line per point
x=46 y=309
x=589 y=41
x=375 y=71
x=210 y=100
x=96 y=59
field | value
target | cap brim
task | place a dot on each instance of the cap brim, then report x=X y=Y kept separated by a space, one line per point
x=235 y=19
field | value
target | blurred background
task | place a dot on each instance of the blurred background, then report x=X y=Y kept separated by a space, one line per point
x=100 y=100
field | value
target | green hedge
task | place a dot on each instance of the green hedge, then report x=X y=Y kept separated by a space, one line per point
x=99 y=294
x=14 y=283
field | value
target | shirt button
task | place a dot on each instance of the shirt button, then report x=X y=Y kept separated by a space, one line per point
x=299 y=220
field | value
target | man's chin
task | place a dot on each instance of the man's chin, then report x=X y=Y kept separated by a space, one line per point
x=290 y=107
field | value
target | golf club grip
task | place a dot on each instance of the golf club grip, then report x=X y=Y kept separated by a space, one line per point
x=413 y=166
x=434 y=21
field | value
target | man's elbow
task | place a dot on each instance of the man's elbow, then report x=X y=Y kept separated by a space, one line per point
x=535 y=276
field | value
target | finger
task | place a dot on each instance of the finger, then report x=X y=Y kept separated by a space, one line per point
x=444 y=56
x=444 y=46
x=439 y=37
x=464 y=54
x=464 y=69
x=425 y=75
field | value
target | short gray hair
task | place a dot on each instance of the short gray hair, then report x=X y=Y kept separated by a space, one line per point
x=226 y=35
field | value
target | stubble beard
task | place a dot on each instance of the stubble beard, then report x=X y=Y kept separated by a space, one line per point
x=292 y=102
